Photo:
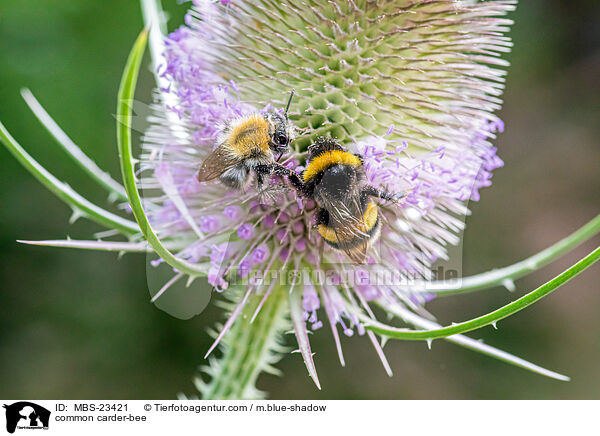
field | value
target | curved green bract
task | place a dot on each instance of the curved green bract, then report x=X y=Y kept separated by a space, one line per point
x=505 y=276
x=492 y=317
x=472 y=344
x=125 y=96
x=72 y=150
x=80 y=205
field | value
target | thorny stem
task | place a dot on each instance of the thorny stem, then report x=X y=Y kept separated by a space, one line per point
x=251 y=347
x=472 y=344
x=492 y=317
x=505 y=276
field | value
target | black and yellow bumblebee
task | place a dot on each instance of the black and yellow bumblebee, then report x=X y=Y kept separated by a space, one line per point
x=247 y=148
x=348 y=218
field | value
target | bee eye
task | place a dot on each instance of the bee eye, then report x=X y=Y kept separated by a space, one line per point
x=282 y=138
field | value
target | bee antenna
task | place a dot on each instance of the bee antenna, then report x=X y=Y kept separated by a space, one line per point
x=288 y=104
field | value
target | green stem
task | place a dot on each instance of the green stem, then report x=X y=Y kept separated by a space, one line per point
x=492 y=317
x=249 y=349
x=505 y=276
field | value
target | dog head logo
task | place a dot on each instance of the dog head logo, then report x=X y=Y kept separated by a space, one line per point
x=26 y=415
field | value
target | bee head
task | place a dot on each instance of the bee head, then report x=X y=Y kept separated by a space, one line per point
x=321 y=145
x=282 y=130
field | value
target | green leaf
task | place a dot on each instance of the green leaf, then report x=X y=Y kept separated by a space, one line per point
x=492 y=317
x=79 y=204
x=62 y=139
x=126 y=95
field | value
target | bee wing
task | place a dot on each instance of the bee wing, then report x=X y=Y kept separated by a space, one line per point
x=358 y=254
x=272 y=194
x=347 y=221
x=357 y=250
x=216 y=163
x=344 y=212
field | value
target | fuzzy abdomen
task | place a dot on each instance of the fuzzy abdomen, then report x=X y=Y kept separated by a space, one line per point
x=365 y=228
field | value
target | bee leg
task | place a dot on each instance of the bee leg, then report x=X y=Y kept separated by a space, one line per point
x=262 y=171
x=259 y=181
x=280 y=170
x=295 y=180
x=374 y=192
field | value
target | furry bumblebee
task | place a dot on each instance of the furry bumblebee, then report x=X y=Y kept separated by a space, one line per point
x=348 y=218
x=247 y=148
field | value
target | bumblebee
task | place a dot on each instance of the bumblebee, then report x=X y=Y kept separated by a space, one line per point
x=348 y=218
x=247 y=148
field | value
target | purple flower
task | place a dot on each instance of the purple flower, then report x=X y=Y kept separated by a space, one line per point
x=245 y=231
x=233 y=213
x=261 y=253
x=210 y=223
x=418 y=108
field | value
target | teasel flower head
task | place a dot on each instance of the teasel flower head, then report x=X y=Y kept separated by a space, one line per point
x=410 y=85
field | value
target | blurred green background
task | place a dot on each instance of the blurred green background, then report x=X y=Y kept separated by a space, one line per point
x=79 y=324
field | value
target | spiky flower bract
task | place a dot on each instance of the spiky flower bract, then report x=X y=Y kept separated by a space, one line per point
x=410 y=85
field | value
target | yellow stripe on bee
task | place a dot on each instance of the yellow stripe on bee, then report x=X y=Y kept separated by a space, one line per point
x=369 y=220
x=369 y=217
x=327 y=159
x=327 y=233
x=249 y=134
